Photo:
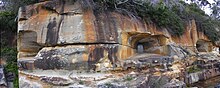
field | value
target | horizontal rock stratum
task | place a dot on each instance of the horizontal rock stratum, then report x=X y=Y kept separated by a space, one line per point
x=69 y=35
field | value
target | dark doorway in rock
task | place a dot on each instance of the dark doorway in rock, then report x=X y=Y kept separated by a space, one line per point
x=219 y=50
x=145 y=43
x=149 y=44
x=140 y=48
x=204 y=46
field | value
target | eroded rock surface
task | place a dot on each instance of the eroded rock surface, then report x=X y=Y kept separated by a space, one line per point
x=63 y=43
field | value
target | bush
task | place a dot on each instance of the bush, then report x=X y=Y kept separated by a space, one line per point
x=10 y=54
x=128 y=78
x=7 y=21
x=159 y=14
x=164 y=15
x=193 y=69
x=8 y=27
x=204 y=23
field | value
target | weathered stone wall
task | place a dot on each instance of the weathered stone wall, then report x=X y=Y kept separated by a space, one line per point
x=66 y=35
x=60 y=23
x=55 y=23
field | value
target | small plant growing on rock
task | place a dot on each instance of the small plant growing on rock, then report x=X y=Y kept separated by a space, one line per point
x=108 y=84
x=193 y=69
x=128 y=78
x=81 y=82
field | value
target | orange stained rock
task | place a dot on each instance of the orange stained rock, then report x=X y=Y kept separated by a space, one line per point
x=89 y=19
x=203 y=36
x=85 y=57
x=125 y=52
x=194 y=33
x=128 y=25
x=157 y=73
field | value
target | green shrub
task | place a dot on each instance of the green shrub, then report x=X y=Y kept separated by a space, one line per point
x=81 y=82
x=8 y=27
x=204 y=23
x=10 y=54
x=193 y=69
x=165 y=18
x=173 y=17
x=108 y=84
x=128 y=78
x=7 y=21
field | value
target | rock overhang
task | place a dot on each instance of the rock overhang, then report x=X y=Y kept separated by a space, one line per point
x=61 y=23
x=56 y=35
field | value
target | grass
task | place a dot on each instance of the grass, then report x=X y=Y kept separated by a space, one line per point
x=193 y=69
x=108 y=84
x=10 y=54
x=81 y=82
x=129 y=78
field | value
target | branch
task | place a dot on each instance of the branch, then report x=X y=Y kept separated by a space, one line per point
x=121 y=2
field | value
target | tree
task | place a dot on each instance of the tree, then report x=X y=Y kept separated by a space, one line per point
x=215 y=6
x=13 y=5
x=8 y=27
x=216 y=10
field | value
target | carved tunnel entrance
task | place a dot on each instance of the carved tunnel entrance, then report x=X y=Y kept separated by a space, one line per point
x=204 y=46
x=148 y=43
x=140 y=48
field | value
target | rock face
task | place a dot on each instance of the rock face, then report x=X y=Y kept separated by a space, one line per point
x=3 y=82
x=70 y=35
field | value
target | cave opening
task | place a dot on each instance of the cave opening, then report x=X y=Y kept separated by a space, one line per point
x=140 y=48
x=149 y=44
x=145 y=43
x=204 y=46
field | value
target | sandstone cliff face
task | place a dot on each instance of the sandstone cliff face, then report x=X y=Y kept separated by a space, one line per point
x=69 y=36
x=53 y=24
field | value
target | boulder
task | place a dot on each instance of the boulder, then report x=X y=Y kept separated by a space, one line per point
x=24 y=83
x=175 y=83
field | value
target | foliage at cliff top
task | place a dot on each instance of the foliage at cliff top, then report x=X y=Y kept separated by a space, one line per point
x=170 y=14
x=7 y=21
